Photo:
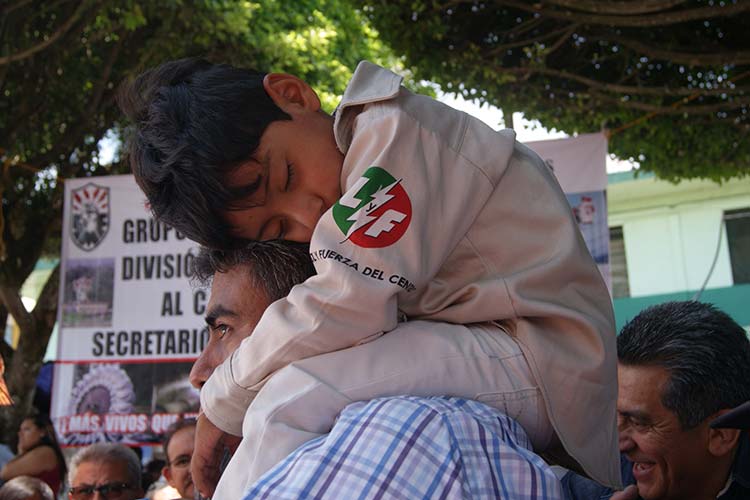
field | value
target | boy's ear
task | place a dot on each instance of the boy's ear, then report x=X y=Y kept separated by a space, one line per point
x=290 y=93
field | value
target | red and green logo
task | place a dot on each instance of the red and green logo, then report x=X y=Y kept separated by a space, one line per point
x=375 y=212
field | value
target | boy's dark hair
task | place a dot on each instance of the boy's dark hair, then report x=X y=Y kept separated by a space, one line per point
x=194 y=122
x=274 y=266
x=706 y=353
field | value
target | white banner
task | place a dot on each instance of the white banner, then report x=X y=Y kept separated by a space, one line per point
x=130 y=324
x=580 y=165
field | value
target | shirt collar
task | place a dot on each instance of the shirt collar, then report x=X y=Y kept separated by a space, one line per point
x=370 y=83
x=741 y=466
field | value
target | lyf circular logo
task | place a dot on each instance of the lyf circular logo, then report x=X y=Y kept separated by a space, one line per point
x=375 y=212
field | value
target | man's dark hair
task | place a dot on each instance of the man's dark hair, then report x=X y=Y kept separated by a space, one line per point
x=276 y=266
x=180 y=424
x=706 y=353
x=194 y=122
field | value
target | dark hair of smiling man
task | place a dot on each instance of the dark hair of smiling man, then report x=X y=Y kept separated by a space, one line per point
x=704 y=350
x=194 y=122
x=682 y=364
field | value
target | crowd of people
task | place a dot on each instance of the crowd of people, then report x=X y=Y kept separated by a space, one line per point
x=402 y=306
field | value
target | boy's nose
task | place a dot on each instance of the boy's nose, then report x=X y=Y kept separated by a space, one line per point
x=304 y=214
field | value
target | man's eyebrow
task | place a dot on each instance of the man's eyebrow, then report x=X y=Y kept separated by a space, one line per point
x=636 y=414
x=217 y=312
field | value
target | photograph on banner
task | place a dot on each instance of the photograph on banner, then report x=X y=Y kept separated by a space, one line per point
x=131 y=403
x=590 y=211
x=87 y=292
x=580 y=166
x=130 y=323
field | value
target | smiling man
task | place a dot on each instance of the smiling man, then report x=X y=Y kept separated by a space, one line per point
x=680 y=366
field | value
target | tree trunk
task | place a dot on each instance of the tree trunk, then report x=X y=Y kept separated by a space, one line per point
x=36 y=328
x=508 y=118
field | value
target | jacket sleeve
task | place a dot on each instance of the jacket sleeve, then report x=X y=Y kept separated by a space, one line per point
x=409 y=197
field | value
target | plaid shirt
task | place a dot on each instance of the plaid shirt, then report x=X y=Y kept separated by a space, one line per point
x=414 y=448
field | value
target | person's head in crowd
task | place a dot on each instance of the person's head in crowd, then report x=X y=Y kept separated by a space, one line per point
x=179 y=442
x=26 y=488
x=244 y=282
x=105 y=470
x=39 y=453
x=681 y=364
x=38 y=430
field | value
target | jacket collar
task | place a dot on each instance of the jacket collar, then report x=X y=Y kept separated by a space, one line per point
x=741 y=466
x=370 y=83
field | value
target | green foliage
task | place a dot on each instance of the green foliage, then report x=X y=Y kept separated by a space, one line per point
x=61 y=63
x=676 y=74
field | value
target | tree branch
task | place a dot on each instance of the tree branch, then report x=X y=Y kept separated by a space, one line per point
x=676 y=108
x=623 y=89
x=96 y=95
x=638 y=21
x=617 y=7
x=525 y=26
x=46 y=304
x=568 y=33
x=50 y=40
x=551 y=34
x=14 y=6
x=686 y=58
x=13 y=304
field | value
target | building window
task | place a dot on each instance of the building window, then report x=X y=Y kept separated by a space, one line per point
x=618 y=264
x=738 y=237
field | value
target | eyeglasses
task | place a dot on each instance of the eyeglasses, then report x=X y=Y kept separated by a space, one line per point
x=109 y=490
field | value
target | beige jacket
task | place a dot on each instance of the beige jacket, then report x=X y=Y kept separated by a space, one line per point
x=444 y=219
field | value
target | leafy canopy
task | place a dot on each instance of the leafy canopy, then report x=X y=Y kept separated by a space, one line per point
x=668 y=79
x=62 y=61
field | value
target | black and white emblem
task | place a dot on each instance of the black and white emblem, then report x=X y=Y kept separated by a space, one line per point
x=90 y=209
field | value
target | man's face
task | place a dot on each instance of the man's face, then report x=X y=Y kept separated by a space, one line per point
x=668 y=462
x=294 y=175
x=233 y=310
x=179 y=452
x=111 y=473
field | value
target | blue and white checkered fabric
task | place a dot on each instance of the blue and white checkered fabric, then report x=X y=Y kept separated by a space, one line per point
x=414 y=448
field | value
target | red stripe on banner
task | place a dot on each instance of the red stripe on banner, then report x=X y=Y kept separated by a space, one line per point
x=123 y=361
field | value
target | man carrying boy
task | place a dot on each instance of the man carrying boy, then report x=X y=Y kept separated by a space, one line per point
x=424 y=224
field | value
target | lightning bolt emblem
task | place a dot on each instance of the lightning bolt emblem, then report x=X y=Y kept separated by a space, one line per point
x=362 y=217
